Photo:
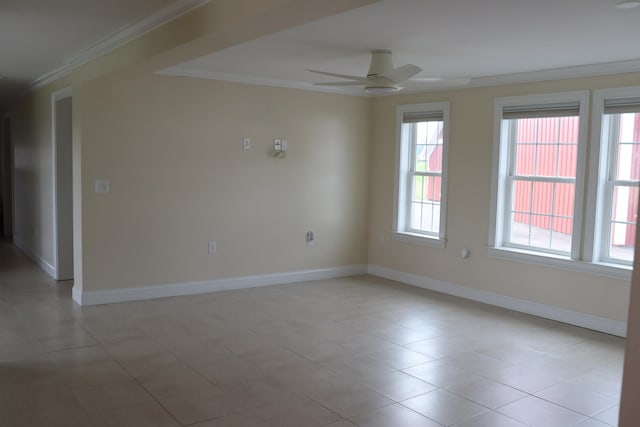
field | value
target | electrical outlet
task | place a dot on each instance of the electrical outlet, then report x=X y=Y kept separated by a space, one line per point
x=212 y=247
x=246 y=143
x=311 y=238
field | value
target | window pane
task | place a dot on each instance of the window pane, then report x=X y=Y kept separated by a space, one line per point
x=561 y=240
x=563 y=204
x=542 y=199
x=520 y=228
x=546 y=146
x=542 y=215
x=522 y=191
x=428 y=147
x=624 y=216
x=425 y=205
x=525 y=158
x=567 y=160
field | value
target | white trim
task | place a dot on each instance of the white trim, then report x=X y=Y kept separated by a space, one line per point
x=418 y=239
x=615 y=271
x=596 y=323
x=42 y=263
x=233 y=283
x=56 y=96
x=592 y=70
x=195 y=73
x=119 y=38
x=501 y=156
x=598 y=169
x=403 y=164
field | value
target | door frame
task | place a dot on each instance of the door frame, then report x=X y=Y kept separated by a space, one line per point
x=55 y=97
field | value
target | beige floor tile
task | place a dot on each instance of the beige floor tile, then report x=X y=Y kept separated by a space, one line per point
x=111 y=395
x=296 y=412
x=349 y=400
x=174 y=381
x=148 y=414
x=490 y=419
x=441 y=346
x=577 y=398
x=525 y=379
x=400 y=357
x=207 y=404
x=478 y=363
x=592 y=423
x=402 y=335
x=394 y=415
x=609 y=416
x=438 y=372
x=485 y=391
x=299 y=354
x=537 y=412
x=234 y=420
x=398 y=385
x=341 y=423
x=444 y=407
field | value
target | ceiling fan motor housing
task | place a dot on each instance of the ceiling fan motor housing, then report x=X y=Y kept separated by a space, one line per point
x=380 y=63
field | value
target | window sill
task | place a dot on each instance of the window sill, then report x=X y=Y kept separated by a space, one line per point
x=615 y=271
x=419 y=239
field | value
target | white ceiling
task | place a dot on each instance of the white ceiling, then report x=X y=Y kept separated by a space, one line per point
x=478 y=39
x=516 y=40
x=38 y=36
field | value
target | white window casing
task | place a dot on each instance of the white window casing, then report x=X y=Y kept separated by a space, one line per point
x=406 y=172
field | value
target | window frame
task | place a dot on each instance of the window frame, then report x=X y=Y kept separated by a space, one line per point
x=403 y=177
x=598 y=198
x=500 y=175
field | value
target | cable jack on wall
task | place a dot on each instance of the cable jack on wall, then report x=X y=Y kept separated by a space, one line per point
x=280 y=148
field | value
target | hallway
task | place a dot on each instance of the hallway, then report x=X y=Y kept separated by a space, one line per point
x=356 y=351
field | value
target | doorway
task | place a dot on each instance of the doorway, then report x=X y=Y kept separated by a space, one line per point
x=62 y=184
x=6 y=179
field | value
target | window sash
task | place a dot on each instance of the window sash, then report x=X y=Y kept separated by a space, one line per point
x=419 y=117
x=610 y=131
x=406 y=173
x=508 y=136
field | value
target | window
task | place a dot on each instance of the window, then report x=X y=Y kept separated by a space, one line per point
x=617 y=139
x=538 y=183
x=421 y=179
x=538 y=189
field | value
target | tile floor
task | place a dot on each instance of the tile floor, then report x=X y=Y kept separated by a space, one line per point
x=356 y=351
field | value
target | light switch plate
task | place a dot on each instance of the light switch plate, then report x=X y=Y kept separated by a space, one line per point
x=246 y=143
x=102 y=186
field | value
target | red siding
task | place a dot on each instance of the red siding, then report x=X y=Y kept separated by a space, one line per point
x=555 y=154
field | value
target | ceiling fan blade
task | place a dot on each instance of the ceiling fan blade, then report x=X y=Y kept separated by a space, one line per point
x=340 y=76
x=353 y=83
x=403 y=73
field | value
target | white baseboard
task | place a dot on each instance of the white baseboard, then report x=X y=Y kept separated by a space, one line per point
x=589 y=321
x=190 y=288
x=42 y=263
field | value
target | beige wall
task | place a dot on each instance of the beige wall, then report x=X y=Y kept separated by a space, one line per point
x=214 y=26
x=172 y=150
x=33 y=174
x=470 y=157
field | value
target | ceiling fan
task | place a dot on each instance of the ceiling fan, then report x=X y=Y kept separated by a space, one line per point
x=383 y=78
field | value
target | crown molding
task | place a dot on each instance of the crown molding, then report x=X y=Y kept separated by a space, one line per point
x=198 y=73
x=118 y=38
x=592 y=70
